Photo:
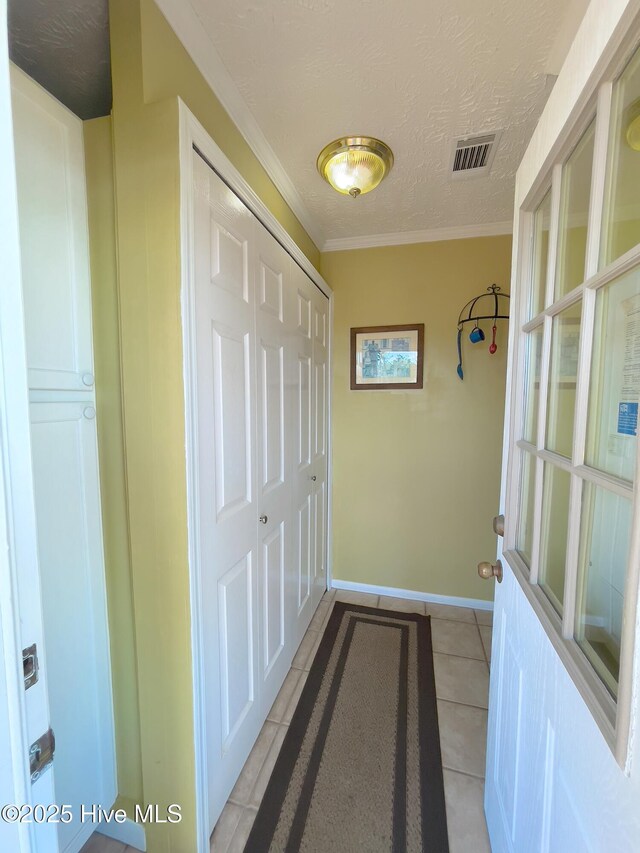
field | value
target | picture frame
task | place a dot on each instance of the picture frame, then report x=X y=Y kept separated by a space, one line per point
x=387 y=357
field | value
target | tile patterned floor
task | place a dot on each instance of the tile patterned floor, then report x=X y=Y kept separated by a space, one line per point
x=462 y=649
x=462 y=653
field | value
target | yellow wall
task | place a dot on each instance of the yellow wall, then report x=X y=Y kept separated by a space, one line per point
x=417 y=473
x=150 y=69
x=106 y=345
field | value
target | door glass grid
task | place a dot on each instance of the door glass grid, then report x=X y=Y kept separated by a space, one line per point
x=584 y=533
x=587 y=361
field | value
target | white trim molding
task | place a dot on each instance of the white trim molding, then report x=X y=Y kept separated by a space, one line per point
x=189 y=29
x=433 y=235
x=413 y=595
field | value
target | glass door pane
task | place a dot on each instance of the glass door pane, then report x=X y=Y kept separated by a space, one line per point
x=604 y=554
x=614 y=391
x=542 y=224
x=565 y=339
x=524 y=540
x=574 y=213
x=621 y=220
x=555 y=525
x=532 y=385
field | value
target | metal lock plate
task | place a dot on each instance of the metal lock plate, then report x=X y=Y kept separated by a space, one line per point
x=41 y=754
x=30 y=665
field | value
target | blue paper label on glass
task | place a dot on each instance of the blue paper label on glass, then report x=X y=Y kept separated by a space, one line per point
x=627 y=418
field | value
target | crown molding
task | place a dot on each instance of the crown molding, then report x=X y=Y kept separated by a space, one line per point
x=189 y=29
x=433 y=235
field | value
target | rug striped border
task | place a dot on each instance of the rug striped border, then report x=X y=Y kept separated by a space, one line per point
x=434 y=824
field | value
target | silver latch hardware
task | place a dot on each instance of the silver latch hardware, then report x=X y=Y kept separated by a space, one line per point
x=30 y=665
x=41 y=754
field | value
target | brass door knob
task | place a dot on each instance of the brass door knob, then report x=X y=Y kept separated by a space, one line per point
x=498 y=525
x=490 y=570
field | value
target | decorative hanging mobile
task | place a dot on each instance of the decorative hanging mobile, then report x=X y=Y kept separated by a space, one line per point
x=486 y=306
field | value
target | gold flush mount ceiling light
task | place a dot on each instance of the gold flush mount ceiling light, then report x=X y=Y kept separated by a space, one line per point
x=355 y=165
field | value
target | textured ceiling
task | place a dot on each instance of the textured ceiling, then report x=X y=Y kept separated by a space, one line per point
x=418 y=74
x=64 y=45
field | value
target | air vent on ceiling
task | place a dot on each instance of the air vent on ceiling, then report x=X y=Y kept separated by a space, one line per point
x=473 y=156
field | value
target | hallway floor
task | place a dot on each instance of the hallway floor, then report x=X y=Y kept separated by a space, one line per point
x=462 y=653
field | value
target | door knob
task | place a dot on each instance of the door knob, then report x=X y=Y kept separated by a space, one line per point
x=498 y=525
x=313 y=477
x=264 y=519
x=490 y=570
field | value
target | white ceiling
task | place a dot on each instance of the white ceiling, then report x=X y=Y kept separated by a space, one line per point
x=417 y=74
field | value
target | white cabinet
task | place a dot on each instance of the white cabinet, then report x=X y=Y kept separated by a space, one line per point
x=257 y=370
x=57 y=299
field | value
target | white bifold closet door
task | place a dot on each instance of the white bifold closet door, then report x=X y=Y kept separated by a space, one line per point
x=261 y=330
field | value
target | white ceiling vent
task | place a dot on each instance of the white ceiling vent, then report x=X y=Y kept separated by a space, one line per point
x=473 y=156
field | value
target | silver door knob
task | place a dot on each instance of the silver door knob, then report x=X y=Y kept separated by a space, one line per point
x=490 y=570
x=264 y=519
x=313 y=477
x=498 y=525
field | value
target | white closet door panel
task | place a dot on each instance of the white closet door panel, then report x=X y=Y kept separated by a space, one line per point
x=304 y=426
x=54 y=239
x=305 y=555
x=273 y=322
x=74 y=605
x=320 y=427
x=225 y=364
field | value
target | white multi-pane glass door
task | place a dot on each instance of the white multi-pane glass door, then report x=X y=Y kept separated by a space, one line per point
x=573 y=469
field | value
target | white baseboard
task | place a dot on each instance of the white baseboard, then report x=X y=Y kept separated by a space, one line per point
x=129 y=832
x=413 y=595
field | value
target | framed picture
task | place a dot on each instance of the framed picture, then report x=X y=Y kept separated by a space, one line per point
x=387 y=357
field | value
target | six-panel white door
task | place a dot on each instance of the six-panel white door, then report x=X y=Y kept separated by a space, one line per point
x=260 y=465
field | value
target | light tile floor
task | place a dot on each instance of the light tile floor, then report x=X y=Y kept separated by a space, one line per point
x=462 y=653
x=462 y=648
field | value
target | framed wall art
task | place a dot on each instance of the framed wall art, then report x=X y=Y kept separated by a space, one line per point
x=387 y=357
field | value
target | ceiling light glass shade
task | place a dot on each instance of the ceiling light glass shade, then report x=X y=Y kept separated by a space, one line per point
x=355 y=165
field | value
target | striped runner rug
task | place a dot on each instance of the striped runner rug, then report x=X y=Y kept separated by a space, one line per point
x=360 y=768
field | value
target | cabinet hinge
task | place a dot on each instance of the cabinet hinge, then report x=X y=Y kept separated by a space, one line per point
x=30 y=665
x=41 y=754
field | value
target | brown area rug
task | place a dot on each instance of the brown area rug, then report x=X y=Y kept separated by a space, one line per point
x=360 y=767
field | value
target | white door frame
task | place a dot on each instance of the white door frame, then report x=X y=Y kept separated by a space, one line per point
x=17 y=510
x=193 y=135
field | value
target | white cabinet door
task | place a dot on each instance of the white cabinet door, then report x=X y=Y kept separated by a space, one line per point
x=24 y=715
x=57 y=300
x=74 y=607
x=54 y=238
x=227 y=489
